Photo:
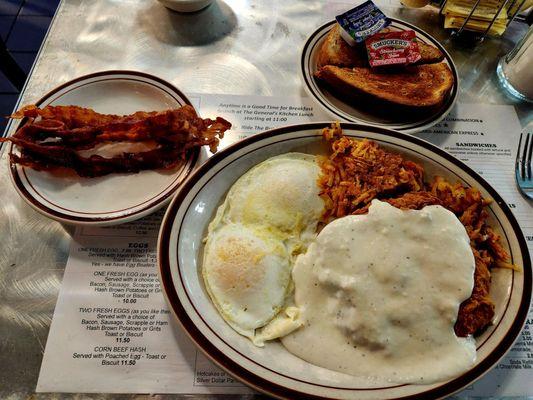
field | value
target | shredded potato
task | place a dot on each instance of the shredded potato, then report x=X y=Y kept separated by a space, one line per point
x=358 y=171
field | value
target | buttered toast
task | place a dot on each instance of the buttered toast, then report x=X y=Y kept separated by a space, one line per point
x=419 y=86
x=335 y=51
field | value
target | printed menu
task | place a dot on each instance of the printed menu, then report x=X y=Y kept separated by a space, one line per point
x=112 y=331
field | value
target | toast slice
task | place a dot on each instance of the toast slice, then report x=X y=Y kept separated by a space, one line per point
x=415 y=87
x=429 y=54
x=335 y=51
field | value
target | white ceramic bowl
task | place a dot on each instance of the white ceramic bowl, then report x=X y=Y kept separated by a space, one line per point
x=339 y=107
x=186 y=5
x=115 y=198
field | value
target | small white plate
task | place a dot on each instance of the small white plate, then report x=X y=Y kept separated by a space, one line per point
x=114 y=198
x=344 y=110
x=273 y=369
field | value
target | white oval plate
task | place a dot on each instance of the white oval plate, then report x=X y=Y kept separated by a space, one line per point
x=114 y=198
x=272 y=369
x=338 y=108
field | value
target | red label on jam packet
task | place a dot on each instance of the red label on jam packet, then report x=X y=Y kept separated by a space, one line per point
x=392 y=48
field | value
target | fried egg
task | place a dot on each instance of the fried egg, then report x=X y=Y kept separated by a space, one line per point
x=246 y=271
x=268 y=217
x=281 y=193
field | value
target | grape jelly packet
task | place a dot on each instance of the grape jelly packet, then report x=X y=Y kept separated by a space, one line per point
x=361 y=22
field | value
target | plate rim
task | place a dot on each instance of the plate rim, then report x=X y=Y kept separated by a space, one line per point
x=332 y=110
x=279 y=391
x=100 y=219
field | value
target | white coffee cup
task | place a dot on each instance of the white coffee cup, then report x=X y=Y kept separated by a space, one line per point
x=186 y=5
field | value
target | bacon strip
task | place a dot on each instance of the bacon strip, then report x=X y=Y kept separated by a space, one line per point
x=54 y=135
x=76 y=117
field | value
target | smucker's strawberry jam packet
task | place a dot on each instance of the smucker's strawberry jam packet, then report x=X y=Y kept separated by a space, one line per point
x=361 y=22
x=392 y=48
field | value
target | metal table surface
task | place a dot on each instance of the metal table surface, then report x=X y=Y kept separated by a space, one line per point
x=232 y=47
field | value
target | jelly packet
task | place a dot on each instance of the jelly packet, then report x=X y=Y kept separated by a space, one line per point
x=361 y=22
x=392 y=48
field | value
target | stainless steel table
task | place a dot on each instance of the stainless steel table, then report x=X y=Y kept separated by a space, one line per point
x=233 y=47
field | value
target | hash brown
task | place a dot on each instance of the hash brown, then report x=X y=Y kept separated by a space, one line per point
x=357 y=172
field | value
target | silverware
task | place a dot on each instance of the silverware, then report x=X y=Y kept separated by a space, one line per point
x=523 y=175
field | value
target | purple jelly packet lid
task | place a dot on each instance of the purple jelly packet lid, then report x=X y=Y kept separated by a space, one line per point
x=361 y=22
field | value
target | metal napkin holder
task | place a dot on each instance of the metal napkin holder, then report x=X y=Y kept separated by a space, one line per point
x=510 y=18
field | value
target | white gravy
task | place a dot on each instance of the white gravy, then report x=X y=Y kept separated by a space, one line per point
x=379 y=296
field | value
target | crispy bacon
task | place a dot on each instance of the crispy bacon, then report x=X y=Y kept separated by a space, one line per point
x=54 y=136
x=76 y=117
